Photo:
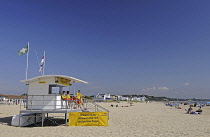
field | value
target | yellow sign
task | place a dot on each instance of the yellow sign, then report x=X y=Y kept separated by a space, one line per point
x=88 y=119
x=63 y=81
x=41 y=82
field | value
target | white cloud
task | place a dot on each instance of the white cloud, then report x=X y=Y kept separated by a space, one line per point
x=163 y=88
x=155 y=89
x=186 y=84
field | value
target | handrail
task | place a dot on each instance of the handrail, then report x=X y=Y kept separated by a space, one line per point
x=54 y=102
x=100 y=106
x=51 y=102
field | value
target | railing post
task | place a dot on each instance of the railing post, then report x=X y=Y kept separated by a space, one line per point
x=55 y=102
x=95 y=107
x=43 y=103
x=26 y=102
x=31 y=101
x=86 y=103
x=20 y=103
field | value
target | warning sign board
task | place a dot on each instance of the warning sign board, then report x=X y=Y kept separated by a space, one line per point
x=88 y=119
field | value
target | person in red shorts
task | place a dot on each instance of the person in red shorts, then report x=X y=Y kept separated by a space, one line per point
x=68 y=97
x=79 y=98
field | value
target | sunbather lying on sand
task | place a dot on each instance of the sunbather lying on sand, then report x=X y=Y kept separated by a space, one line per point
x=199 y=110
x=189 y=111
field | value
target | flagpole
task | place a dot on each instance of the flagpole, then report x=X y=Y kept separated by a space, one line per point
x=44 y=63
x=27 y=63
x=37 y=57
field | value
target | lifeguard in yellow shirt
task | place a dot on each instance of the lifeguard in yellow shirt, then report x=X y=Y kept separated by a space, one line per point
x=68 y=97
x=79 y=98
x=63 y=95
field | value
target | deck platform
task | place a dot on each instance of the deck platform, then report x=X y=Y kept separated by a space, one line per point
x=51 y=111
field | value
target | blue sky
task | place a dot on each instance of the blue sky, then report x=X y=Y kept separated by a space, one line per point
x=153 y=47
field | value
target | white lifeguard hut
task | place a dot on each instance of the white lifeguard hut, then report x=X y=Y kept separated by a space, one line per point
x=44 y=96
x=44 y=92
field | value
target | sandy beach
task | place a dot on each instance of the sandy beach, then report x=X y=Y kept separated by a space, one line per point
x=140 y=120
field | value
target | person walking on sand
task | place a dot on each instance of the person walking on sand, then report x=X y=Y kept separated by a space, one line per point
x=79 y=99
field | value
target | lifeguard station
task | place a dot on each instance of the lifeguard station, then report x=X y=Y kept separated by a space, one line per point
x=44 y=92
x=44 y=96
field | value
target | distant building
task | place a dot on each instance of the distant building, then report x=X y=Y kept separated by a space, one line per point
x=113 y=97
x=102 y=97
x=118 y=97
x=139 y=98
x=2 y=98
x=124 y=97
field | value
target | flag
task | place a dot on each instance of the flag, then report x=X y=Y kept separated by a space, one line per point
x=23 y=50
x=41 y=67
x=41 y=64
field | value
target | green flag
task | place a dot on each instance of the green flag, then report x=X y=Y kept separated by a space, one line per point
x=23 y=50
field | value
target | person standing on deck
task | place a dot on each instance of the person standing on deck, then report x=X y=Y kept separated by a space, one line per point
x=79 y=99
x=68 y=97
x=63 y=97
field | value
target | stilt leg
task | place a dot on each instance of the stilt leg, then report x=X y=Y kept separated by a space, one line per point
x=66 y=118
x=42 y=119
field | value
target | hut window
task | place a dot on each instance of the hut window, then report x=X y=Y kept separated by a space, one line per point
x=53 y=89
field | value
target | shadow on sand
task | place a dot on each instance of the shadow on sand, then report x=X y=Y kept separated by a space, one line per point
x=6 y=120
x=47 y=122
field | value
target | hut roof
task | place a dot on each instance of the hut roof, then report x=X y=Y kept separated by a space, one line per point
x=72 y=79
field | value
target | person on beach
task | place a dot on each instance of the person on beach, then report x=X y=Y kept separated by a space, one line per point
x=195 y=104
x=189 y=111
x=199 y=110
x=68 y=97
x=79 y=97
x=63 y=95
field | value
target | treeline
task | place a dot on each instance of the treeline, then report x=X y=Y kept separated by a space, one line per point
x=152 y=98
